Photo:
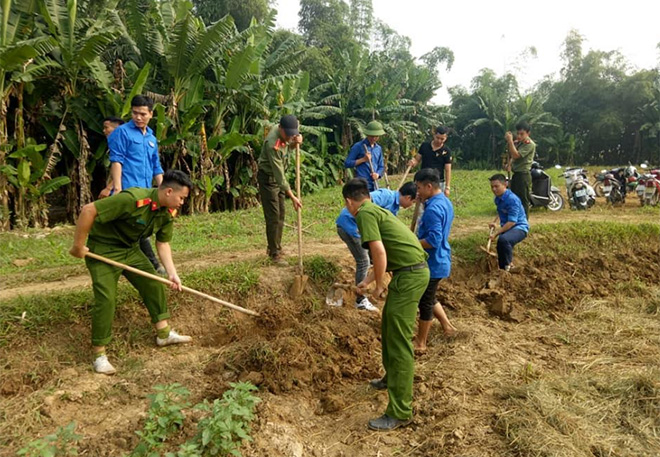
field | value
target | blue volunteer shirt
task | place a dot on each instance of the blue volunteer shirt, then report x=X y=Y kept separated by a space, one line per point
x=434 y=227
x=363 y=170
x=510 y=209
x=137 y=153
x=385 y=198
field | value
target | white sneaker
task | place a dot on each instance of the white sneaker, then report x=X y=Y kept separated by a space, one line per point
x=366 y=305
x=173 y=338
x=101 y=365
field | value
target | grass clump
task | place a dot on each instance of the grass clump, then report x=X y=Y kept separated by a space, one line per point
x=238 y=279
x=321 y=270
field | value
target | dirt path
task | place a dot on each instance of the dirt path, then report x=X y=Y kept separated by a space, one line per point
x=462 y=227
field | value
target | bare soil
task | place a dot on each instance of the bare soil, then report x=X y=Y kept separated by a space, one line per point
x=556 y=318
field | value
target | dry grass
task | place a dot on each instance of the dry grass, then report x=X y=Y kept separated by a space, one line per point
x=605 y=401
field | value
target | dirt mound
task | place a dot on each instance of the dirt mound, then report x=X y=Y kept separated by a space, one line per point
x=313 y=362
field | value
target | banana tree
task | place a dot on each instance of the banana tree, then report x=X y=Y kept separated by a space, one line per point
x=80 y=44
x=21 y=51
x=31 y=179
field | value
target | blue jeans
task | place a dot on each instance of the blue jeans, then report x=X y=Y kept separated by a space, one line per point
x=360 y=255
x=505 y=243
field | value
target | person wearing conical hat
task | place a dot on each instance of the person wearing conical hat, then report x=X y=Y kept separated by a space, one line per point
x=359 y=158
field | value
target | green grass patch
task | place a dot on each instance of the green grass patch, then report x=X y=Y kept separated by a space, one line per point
x=236 y=279
x=321 y=270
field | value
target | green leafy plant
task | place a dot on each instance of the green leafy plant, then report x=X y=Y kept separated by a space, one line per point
x=165 y=416
x=61 y=443
x=228 y=424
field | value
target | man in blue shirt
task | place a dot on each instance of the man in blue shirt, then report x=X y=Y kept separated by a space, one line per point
x=134 y=160
x=513 y=225
x=433 y=233
x=347 y=230
x=359 y=158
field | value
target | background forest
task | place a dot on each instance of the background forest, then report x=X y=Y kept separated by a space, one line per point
x=221 y=74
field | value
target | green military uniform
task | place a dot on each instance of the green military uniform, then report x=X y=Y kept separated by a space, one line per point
x=407 y=260
x=521 y=182
x=122 y=221
x=272 y=187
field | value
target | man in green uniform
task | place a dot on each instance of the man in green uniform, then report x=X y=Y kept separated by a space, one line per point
x=521 y=156
x=396 y=249
x=279 y=144
x=115 y=226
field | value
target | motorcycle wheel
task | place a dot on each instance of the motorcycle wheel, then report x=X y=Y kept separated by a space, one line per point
x=556 y=202
x=598 y=188
x=655 y=200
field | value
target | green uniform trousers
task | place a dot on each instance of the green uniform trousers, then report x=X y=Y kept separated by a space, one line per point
x=104 y=283
x=272 y=202
x=521 y=183
x=397 y=329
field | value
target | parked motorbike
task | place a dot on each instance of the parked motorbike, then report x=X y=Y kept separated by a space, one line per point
x=648 y=187
x=581 y=195
x=613 y=189
x=544 y=194
x=627 y=177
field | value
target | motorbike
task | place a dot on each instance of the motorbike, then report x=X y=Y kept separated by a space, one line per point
x=648 y=187
x=544 y=194
x=581 y=195
x=627 y=177
x=613 y=189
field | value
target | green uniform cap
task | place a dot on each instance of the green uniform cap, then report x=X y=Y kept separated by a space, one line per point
x=374 y=128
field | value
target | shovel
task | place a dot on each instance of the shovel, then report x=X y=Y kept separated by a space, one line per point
x=405 y=175
x=335 y=295
x=487 y=248
x=169 y=283
x=371 y=166
x=300 y=280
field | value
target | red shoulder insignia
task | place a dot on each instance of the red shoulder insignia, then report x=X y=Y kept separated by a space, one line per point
x=173 y=212
x=154 y=206
x=527 y=141
x=278 y=144
x=143 y=202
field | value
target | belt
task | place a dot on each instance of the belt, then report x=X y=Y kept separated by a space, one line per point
x=419 y=266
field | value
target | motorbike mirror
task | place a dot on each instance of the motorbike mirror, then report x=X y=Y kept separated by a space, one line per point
x=558 y=167
x=644 y=165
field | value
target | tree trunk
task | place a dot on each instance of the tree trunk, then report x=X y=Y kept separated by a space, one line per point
x=4 y=191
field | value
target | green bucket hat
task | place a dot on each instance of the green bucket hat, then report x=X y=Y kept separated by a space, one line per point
x=374 y=128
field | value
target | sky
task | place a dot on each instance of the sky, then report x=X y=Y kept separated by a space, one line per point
x=484 y=34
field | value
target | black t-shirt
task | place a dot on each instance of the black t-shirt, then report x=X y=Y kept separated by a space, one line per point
x=435 y=159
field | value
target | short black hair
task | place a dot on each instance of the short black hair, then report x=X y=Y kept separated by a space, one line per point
x=498 y=177
x=428 y=176
x=356 y=189
x=442 y=130
x=142 y=100
x=114 y=120
x=409 y=189
x=523 y=125
x=176 y=179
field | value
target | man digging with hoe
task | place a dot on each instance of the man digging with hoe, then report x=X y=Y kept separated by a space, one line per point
x=115 y=226
x=393 y=248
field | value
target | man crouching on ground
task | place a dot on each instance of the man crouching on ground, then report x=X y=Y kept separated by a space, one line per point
x=115 y=226
x=393 y=248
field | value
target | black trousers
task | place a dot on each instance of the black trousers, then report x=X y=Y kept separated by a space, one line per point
x=521 y=184
x=145 y=246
